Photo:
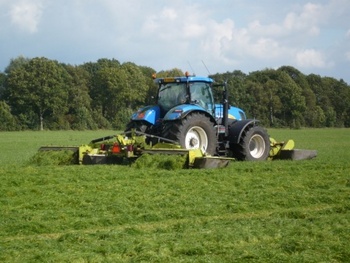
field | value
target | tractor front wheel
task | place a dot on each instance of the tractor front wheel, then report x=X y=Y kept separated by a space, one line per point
x=253 y=146
x=196 y=131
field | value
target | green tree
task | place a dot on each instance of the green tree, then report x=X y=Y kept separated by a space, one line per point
x=80 y=112
x=257 y=101
x=98 y=88
x=135 y=89
x=338 y=93
x=16 y=63
x=264 y=100
x=333 y=97
x=273 y=101
x=175 y=72
x=123 y=90
x=323 y=98
x=39 y=86
x=152 y=87
x=312 y=112
x=7 y=120
x=315 y=117
x=2 y=85
x=107 y=81
x=278 y=98
x=132 y=94
x=292 y=100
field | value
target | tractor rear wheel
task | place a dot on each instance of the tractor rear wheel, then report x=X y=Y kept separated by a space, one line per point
x=253 y=146
x=196 y=131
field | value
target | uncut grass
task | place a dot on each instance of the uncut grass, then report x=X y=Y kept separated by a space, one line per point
x=18 y=147
x=271 y=211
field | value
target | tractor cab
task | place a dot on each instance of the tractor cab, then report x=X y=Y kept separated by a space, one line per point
x=177 y=91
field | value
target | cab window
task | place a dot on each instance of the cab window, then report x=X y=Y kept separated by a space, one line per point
x=201 y=95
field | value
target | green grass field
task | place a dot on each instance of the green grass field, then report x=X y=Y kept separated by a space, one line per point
x=281 y=211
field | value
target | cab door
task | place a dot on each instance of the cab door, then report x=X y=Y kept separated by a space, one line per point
x=201 y=95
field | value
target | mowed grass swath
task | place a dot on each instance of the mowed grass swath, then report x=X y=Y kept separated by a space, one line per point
x=279 y=211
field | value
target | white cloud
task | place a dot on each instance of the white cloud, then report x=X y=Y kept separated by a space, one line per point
x=26 y=15
x=169 y=13
x=272 y=30
x=156 y=25
x=307 y=20
x=310 y=58
x=165 y=34
x=173 y=24
x=216 y=36
x=297 y=39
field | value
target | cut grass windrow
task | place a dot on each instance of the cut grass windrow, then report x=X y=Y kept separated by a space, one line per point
x=297 y=212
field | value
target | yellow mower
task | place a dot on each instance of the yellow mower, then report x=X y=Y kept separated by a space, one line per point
x=123 y=149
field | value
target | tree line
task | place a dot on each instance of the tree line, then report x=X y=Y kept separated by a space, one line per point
x=40 y=93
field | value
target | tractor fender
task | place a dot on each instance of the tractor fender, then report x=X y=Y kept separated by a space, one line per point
x=181 y=111
x=237 y=128
x=149 y=114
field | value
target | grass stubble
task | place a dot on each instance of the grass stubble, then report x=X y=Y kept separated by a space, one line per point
x=280 y=211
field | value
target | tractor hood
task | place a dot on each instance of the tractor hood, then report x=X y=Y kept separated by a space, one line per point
x=233 y=112
x=182 y=110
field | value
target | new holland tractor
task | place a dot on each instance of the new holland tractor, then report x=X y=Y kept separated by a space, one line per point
x=186 y=120
x=185 y=113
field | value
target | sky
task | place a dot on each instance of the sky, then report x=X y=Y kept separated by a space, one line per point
x=200 y=36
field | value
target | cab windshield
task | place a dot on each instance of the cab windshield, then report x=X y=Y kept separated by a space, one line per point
x=172 y=94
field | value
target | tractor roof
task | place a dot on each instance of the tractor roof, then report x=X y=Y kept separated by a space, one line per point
x=183 y=79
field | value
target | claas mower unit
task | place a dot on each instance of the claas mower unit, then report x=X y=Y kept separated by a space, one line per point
x=186 y=121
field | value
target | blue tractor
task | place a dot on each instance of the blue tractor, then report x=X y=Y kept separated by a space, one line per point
x=186 y=114
x=185 y=120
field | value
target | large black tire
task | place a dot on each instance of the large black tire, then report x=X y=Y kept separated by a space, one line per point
x=253 y=146
x=195 y=131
